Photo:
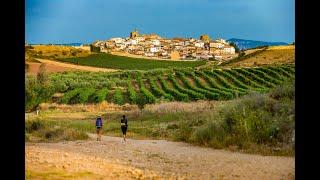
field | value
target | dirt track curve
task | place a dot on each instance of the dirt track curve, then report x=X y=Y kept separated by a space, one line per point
x=151 y=159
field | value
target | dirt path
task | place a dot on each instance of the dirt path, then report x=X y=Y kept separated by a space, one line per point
x=54 y=66
x=149 y=159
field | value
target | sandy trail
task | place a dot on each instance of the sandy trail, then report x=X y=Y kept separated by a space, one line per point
x=153 y=159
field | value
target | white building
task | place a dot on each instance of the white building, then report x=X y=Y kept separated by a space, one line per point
x=221 y=41
x=199 y=44
x=150 y=54
x=216 y=44
x=133 y=42
x=154 y=49
x=165 y=53
x=118 y=40
x=229 y=50
x=155 y=42
x=140 y=38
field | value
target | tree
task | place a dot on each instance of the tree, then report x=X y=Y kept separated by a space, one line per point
x=141 y=101
x=42 y=75
x=94 y=48
x=235 y=47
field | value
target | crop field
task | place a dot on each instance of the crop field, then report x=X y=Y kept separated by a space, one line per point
x=184 y=84
x=121 y=62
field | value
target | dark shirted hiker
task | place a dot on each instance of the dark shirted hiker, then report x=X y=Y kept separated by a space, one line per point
x=99 y=127
x=124 y=126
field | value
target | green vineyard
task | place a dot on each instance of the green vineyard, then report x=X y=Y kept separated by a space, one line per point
x=168 y=85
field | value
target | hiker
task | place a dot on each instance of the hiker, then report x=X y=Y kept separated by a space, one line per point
x=99 y=127
x=124 y=126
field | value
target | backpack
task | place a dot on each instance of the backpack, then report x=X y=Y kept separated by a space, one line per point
x=98 y=122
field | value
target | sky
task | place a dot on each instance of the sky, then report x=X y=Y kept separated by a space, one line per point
x=85 y=21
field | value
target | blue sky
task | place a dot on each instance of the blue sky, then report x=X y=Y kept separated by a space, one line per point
x=67 y=21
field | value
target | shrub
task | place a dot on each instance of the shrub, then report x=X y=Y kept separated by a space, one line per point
x=66 y=98
x=118 y=98
x=84 y=94
x=100 y=95
x=212 y=134
x=32 y=126
x=131 y=93
x=287 y=90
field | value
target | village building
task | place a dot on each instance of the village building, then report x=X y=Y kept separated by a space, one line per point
x=134 y=34
x=175 y=55
x=229 y=50
x=205 y=38
x=216 y=44
x=152 y=45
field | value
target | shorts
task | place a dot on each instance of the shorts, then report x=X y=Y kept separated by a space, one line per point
x=124 y=129
x=98 y=129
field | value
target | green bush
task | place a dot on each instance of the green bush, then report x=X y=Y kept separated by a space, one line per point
x=261 y=119
x=67 y=97
x=118 y=98
x=84 y=94
x=100 y=95
x=131 y=93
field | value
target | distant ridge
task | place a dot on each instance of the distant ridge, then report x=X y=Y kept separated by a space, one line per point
x=63 y=44
x=244 y=44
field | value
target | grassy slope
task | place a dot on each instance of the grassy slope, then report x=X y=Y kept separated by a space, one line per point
x=272 y=55
x=121 y=62
x=254 y=118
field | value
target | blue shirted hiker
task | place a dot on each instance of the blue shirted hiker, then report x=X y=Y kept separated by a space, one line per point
x=99 y=127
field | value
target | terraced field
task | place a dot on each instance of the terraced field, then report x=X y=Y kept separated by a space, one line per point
x=170 y=85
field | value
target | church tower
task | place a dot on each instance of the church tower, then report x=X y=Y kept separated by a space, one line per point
x=134 y=34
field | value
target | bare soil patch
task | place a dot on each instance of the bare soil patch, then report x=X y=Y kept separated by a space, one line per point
x=150 y=159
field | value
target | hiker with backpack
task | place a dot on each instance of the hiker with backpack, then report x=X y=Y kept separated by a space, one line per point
x=124 y=126
x=99 y=127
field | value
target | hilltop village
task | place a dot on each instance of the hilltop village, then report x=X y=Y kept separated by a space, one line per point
x=154 y=46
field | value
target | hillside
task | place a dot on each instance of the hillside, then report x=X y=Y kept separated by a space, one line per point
x=54 y=52
x=55 y=66
x=82 y=57
x=258 y=124
x=244 y=44
x=104 y=60
x=264 y=56
x=161 y=85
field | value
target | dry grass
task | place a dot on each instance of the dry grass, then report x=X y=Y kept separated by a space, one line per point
x=101 y=107
x=54 y=66
x=164 y=107
x=173 y=107
x=272 y=55
x=57 y=51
